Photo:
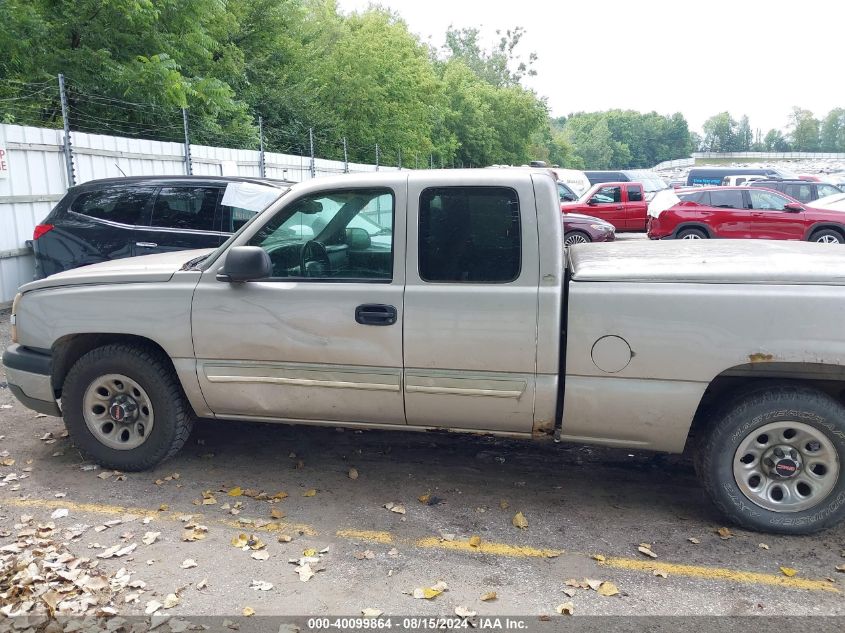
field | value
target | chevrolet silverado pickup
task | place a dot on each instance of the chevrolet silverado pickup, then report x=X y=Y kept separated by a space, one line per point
x=444 y=300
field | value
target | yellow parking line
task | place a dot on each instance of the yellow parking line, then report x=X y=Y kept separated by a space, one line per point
x=103 y=508
x=630 y=564
x=719 y=573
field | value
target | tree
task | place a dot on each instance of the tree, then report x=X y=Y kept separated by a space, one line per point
x=720 y=133
x=744 y=135
x=501 y=66
x=804 y=130
x=775 y=141
x=833 y=131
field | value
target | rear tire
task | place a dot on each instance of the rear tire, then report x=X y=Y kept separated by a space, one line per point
x=827 y=236
x=124 y=407
x=691 y=234
x=772 y=459
x=575 y=237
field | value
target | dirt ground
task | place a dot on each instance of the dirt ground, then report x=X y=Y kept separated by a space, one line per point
x=587 y=511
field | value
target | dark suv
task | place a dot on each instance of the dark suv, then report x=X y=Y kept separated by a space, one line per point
x=124 y=217
x=802 y=190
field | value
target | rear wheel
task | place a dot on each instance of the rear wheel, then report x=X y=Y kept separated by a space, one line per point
x=827 y=236
x=124 y=407
x=771 y=460
x=576 y=237
x=691 y=234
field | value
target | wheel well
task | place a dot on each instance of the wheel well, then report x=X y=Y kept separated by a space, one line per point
x=69 y=349
x=692 y=225
x=824 y=227
x=829 y=379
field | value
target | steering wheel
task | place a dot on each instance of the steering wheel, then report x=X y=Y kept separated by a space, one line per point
x=314 y=260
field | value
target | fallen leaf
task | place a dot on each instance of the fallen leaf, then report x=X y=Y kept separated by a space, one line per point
x=369 y=612
x=279 y=496
x=570 y=592
x=693 y=540
x=593 y=584
x=309 y=493
x=763 y=546
x=188 y=563
x=309 y=552
x=275 y=513
x=261 y=585
x=171 y=600
x=59 y=513
x=197 y=533
x=840 y=568
x=599 y=557
x=724 y=533
x=519 y=521
x=464 y=612
x=152 y=607
x=660 y=573
x=248 y=612
x=235 y=492
x=424 y=498
x=504 y=505
x=490 y=595
x=202 y=584
x=567 y=608
x=788 y=571
x=607 y=589
x=305 y=572
x=150 y=537
x=284 y=538
x=644 y=549
x=105 y=475
x=353 y=473
x=261 y=555
x=365 y=555
x=474 y=541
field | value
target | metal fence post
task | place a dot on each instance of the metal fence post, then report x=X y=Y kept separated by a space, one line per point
x=67 y=149
x=345 y=157
x=400 y=158
x=431 y=157
x=311 y=142
x=261 y=169
x=188 y=167
x=377 y=156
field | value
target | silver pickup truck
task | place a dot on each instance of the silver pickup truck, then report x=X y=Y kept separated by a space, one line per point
x=441 y=300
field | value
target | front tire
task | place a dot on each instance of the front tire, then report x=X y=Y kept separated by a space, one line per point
x=827 y=236
x=772 y=460
x=124 y=407
x=575 y=237
x=691 y=234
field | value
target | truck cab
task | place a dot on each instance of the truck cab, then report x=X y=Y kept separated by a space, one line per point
x=622 y=204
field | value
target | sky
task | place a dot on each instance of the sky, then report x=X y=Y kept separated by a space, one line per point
x=697 y=57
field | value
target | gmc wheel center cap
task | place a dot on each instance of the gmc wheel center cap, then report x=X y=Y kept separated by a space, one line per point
x=786 y=468
x=123 y=409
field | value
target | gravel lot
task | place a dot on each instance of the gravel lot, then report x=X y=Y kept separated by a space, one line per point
x=581 y=504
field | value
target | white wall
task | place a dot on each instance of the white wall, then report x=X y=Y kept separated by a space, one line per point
x=37 y=178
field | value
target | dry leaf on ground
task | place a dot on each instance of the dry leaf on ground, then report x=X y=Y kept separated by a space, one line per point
x=248 y=611
x=788 y=571
x=369 y=612
x=235 y=492
x=353 y=473
x=59 y=513
x=693 y=540
x=607 y=589
x=171 y=601
x=309 y=493
x=763 y=546
x=464 y=612
x=724 y=533
x=490 y=595
x=261 y=585
x=260 y=555
x=660 y=573
x=599 y=557
x=188 y=563
x=474 y=541
x=567 y=608
x=150 y=537
x=645 y=548
x=275 y=513
x=519 y=521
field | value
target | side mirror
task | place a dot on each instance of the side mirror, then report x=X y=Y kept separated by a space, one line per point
x=793 y=207
x=592 y=201
x=567 y=198
x=357 y=239
x=245 y=263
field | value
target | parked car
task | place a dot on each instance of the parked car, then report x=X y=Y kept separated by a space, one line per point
x=460 y=321
x=580 y=229
x=735 y=181
x=565 y=193
x=748 y=213
x=113 y=218
x=801 y=190
x=622 y=204
x=651 y=181
x=703 y=176
x=575 y=179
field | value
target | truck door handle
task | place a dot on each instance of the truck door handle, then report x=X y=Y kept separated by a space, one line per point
x=146 y=244
x=620 y=207
x=375 y=314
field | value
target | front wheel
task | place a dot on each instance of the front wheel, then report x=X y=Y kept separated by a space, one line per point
x=575 y=237
x=771 y=460
x=827 y=236
x=124 y=407
x=691 y=234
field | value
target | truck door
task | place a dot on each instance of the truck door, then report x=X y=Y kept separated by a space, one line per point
x=321 y=339
x=636 y=208
x=606 y=203
x=470 y=304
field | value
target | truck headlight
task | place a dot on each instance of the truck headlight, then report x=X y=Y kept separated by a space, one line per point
x=13 y=330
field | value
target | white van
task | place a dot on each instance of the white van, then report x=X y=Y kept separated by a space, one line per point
x=575 y=179
x=745 y=179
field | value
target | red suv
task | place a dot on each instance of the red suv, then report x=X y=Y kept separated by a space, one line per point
x=745 y=212
x=620 y=203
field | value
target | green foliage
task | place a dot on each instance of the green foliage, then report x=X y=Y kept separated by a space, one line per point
x=720 y=133
x=775 y=141
x=804 y=130
x=833 y=131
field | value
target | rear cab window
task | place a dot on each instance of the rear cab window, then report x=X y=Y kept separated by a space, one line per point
x=635 y=193
x=123 y=205
x=469 y=235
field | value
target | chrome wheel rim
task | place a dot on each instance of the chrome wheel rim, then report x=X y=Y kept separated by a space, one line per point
x=692 y=236
x=118 y=412
x=575 y=238
x=786 y=466
x=828 y=239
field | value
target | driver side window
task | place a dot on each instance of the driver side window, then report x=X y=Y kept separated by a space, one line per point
x=767 y=200
x=340 y=235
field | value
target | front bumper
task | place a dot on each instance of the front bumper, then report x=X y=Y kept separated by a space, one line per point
x=29 y=376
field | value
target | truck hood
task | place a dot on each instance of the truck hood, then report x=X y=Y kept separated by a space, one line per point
x=148 y=268
x=710 y=261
